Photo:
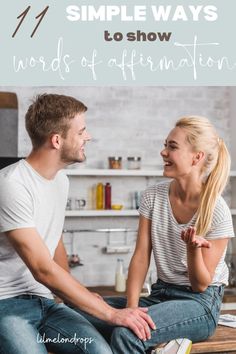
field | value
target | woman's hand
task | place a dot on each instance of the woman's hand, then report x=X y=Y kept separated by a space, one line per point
x=191 y=239
x=202 y=258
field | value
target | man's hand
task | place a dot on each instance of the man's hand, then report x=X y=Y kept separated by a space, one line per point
x=135 y=319
x=191 y=239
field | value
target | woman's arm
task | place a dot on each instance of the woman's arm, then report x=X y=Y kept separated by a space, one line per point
x=202 y=258
x=139 y=263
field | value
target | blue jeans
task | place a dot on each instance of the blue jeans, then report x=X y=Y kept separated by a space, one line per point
x=177 y=312
x=30 y=324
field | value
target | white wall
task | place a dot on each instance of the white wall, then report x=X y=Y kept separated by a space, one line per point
x=133 y=120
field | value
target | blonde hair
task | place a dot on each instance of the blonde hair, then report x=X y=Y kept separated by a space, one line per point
x=203 y=137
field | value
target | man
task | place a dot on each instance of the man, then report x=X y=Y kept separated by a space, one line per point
x=33 y=263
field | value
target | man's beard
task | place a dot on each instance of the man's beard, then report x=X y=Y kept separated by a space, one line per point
x=69 y=158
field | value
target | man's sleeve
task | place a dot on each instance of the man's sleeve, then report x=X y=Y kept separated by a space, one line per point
x=16 y=206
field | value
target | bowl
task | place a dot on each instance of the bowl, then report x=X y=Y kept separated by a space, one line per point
x=117 y=206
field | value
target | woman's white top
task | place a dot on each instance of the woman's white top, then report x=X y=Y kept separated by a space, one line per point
x=169 y=250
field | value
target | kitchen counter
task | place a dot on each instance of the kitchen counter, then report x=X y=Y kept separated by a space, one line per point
x=229 y=300
x=229 y=296
x=105 y=290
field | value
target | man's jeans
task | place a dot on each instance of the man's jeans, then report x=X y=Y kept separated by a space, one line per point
x=177 y=311
x=29 y=324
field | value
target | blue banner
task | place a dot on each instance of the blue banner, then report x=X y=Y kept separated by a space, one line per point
x=71 y=42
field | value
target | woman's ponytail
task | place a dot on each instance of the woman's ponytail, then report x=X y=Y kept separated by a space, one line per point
x=202 y=136
x=213 y=187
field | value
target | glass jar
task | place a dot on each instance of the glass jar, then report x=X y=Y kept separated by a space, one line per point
x=134 y=162
x=115 y=162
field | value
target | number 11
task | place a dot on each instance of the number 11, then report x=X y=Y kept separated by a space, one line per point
x=23 y=15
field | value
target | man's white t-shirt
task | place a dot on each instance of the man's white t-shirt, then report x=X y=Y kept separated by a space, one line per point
x=28 y=200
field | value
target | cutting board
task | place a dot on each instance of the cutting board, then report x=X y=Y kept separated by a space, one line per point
x=8 y=100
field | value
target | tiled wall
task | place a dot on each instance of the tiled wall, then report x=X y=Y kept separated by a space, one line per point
x=124 y=121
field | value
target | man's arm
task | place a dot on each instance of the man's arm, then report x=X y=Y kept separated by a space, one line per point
x=31 y=248
x=60 y=256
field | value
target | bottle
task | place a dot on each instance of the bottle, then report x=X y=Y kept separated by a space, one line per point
x=99 y=196
x=120 y=279
x=107 y=196
x=136 y=199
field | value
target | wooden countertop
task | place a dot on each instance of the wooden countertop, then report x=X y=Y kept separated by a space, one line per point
x=110 y=291
x=223 y=341
x=230 y=297
x=105 y=290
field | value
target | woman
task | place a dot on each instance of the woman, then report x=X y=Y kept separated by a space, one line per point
x=186 y=224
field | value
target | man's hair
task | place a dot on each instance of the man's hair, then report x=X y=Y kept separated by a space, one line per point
x=50 y=114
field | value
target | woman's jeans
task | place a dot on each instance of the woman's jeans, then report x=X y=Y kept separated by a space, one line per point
x=29 y=324
x=177 y=311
